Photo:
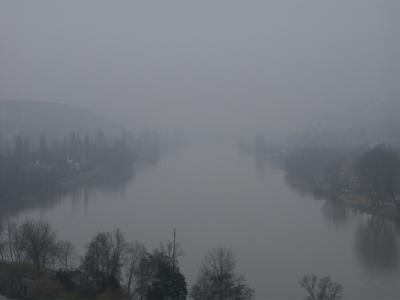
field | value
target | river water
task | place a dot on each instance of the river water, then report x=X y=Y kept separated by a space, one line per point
x=214 y=197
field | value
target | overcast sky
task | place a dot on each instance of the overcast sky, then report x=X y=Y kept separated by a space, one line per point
x=242 y=66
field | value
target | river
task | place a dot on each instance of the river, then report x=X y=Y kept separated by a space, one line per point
x=214 y=197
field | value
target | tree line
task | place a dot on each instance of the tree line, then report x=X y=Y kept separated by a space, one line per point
x=370 y=176
x=47 y=163
x=36 y=265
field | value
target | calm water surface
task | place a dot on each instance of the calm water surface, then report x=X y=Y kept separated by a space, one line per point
x=214 y=198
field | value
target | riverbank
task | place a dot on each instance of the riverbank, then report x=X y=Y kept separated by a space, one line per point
x=364 y=205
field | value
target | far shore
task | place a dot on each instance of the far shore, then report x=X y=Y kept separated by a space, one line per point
x=364 y=205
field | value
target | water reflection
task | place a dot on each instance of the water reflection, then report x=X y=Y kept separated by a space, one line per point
x=21 y=202
x=375 y=239
x=335 y=212
x=376 y=244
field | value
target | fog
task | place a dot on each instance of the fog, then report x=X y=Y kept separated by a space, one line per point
x=106 y=113
x=221 y=66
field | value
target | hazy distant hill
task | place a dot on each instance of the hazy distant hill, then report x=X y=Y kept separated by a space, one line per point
x=369 y=123
x=32 y=119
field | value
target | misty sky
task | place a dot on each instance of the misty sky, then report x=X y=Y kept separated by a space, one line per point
x=240 y=66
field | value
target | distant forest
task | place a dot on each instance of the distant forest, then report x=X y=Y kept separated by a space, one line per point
x=56 y=163
x=366 y=177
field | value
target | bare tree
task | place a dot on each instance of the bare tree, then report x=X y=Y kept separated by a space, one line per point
x=65 y=255
x=13 y=244
x=31 y=241
x=321 y=289
x=98 y=257
x=173 y=250
x=217 y=279
x=39 y=243
x=103 y=260
x=119 y=247
x=134 y=255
